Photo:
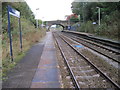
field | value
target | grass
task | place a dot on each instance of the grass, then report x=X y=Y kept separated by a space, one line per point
x=30 y=36
x=0 y=58
x=8 y=65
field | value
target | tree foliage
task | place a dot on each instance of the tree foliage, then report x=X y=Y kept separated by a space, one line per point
x=109 y=17
x=24 y=9
x=88 y=10
x=73 y=18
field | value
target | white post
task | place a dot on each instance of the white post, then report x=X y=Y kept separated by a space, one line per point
x=69 y=22
x=36 y=23
x=83 y=12
x=36 y=18
x=99 y=14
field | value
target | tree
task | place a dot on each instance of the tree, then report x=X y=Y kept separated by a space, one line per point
x=20 y=6
x=88 y=10
x=44 y=22
x=73 y=18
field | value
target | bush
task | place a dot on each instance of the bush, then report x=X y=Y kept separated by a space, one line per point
x=87 y=27
x=109 y=28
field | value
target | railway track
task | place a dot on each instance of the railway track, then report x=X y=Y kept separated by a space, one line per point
x=83 y=72
x=104 y=50
x=112 y=44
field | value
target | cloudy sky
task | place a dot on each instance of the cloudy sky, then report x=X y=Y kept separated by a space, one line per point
x=50 y=9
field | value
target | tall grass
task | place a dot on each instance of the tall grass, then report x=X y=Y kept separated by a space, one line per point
x=30 y=36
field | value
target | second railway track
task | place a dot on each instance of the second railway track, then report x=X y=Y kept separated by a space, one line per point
x=84 y=74
x=104 y=50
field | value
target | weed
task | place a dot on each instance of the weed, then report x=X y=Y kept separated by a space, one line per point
x=30 y=36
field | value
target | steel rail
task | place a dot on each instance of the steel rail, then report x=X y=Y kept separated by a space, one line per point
x=94 y=43
x=95 y=50
x=69 y=68
x=96 y=39
x=106 y=42
x=94 y=66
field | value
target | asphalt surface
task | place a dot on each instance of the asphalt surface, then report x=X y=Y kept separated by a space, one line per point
x=21 y=76
x=47 y=74
x=37 y=69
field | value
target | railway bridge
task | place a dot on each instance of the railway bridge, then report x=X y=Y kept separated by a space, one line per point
x=63 y=23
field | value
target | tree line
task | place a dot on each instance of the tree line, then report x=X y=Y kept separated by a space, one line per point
x=109 y=18
x=89 y=11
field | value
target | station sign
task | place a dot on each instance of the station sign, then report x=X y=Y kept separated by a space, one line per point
x=14 y=12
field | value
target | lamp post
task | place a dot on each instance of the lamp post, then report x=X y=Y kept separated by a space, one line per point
x=42 y=21
x=36 y=18
x=83 y=12
x=37 y=23
x=98 y=14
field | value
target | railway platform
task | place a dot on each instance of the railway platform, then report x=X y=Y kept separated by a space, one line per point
x=47 y=74
x=38 y=69
x=67 y=61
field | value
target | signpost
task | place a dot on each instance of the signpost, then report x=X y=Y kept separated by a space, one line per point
x=11 y=11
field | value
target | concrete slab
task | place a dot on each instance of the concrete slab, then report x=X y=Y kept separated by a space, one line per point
x=38 y=69
x=47 y=74
x=21 y=76
x=46 y=84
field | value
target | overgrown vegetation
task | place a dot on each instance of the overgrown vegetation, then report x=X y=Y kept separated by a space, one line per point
x=30 y=34
x=110 y=18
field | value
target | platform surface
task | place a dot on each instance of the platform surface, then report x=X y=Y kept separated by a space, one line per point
x=38 y=69
x=47 y=73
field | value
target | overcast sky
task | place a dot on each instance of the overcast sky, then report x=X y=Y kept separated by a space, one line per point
x=50 y=9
